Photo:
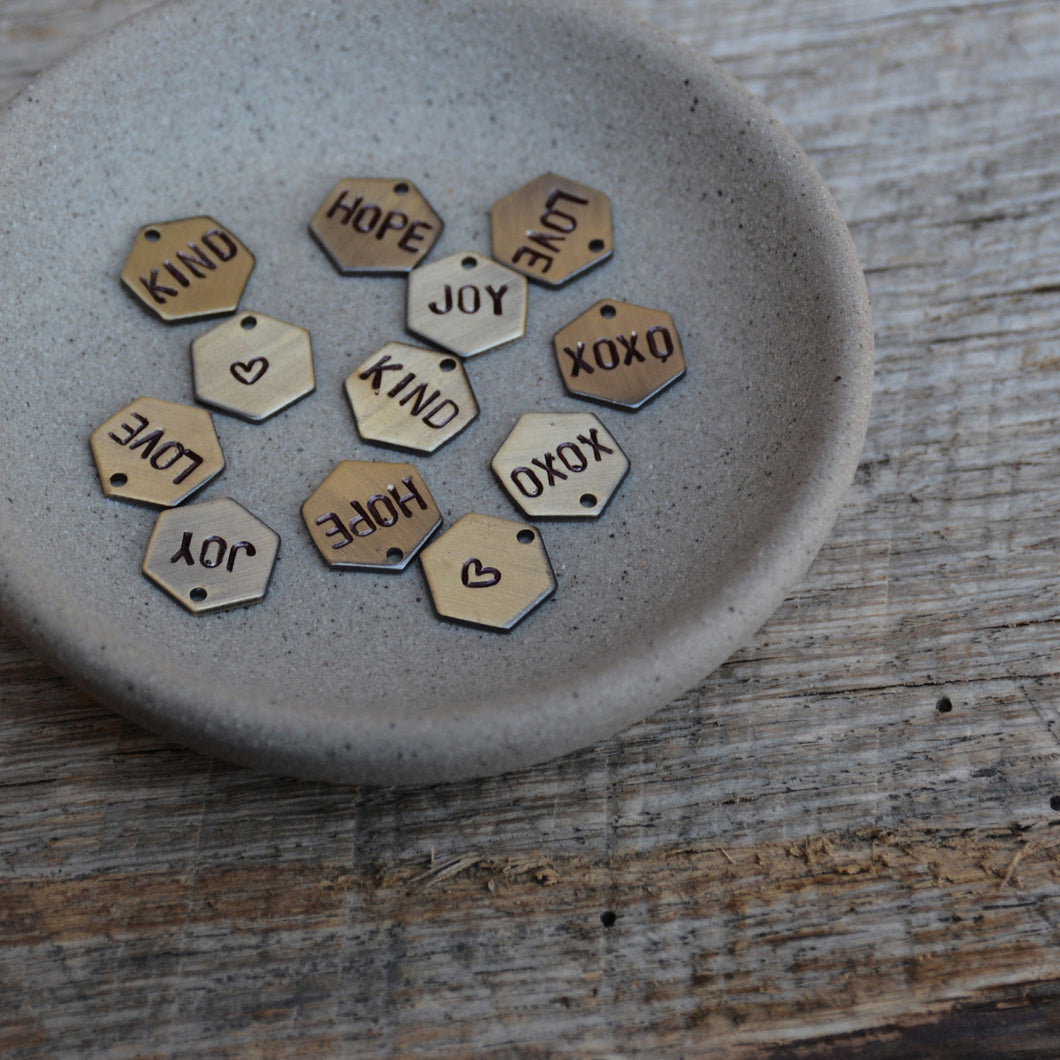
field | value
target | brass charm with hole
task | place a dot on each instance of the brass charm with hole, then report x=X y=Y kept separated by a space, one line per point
x=488 y=571
x=253 y=366
x=211 y=556
x=186 y=269
x=156 y=452
x=370 y=225
x=563 y=465
x=466 y=304
x=412 y=398
x=619 y=353
x=552 y=229
x=371 y=515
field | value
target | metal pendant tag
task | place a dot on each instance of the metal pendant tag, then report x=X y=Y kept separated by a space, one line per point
x=186 y=269
x=373 y=225
x=411 y=398
x=488 y=571
x=253 y=366
x=619 y=353
x=466 y=304
x=371 y=515
x=211 y=556
x=156 y=452
x=562 y=465
x=552 y=229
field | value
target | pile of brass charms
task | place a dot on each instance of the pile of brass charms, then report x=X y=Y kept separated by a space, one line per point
x=377 y=515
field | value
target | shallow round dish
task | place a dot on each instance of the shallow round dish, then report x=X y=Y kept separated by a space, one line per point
x=250 y=112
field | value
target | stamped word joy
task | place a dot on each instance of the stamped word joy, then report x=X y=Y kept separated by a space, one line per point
x=466 y=304
x=212 y=552
x=211 y=556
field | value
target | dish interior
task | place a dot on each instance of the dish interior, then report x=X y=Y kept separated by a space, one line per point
x=250 y=113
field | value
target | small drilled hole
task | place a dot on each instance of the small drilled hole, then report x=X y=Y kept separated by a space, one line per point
x=596 y=245
x=469 y=262
x=402 y=188
x=198 y=595
x=152 y=235
x=588 y=500
x=608 y=919
x=1054 y=803
x=447 y=365
x=394 y=555
x=607 y=311
x=248 y=323
x=525 y=537
x=119 y=479
x=944 y=705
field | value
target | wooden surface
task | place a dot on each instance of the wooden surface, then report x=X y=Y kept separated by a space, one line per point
x=842 y=843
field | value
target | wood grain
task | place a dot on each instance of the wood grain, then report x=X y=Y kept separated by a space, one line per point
x=842 y=843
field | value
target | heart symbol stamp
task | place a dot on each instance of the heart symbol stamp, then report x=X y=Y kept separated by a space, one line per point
x=251 y=371
x=475 y=576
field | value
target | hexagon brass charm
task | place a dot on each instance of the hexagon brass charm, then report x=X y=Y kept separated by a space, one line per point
x=488 y=571
x=371 y=515
x=373 y=225
x=211 y=556
x=157 y=452
x=253 y=366
x=186 y=269
x=411 y=398
x=562 y=464
x=466 y=304
x=619 y=353
x=552 y=230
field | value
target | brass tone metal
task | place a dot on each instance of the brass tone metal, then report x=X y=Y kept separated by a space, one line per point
x=466 y=303
x=560 y=464
x=156 y=452
x=411 y=398
x=367 y=224
x=253 y=366
x=488 y=571
x=211 y=556
x=619 y=353
x=552 y=229
x=186 y=269
x=371 y=515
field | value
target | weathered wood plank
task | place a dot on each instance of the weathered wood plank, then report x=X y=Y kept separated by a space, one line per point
x=34 y=34
x=806 y=854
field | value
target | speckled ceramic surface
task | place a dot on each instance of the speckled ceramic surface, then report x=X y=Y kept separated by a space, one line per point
x=249 y=112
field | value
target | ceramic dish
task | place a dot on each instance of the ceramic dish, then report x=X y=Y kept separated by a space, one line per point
x=250 y=112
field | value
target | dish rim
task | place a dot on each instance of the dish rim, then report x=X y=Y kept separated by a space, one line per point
x=312 y=743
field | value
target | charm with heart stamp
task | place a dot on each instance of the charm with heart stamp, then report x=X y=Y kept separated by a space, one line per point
x=251 y=371
x=253 y=366
x=485 y=571
x=476 y=575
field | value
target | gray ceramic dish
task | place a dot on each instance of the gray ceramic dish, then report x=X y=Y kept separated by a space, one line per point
x=250 y=111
